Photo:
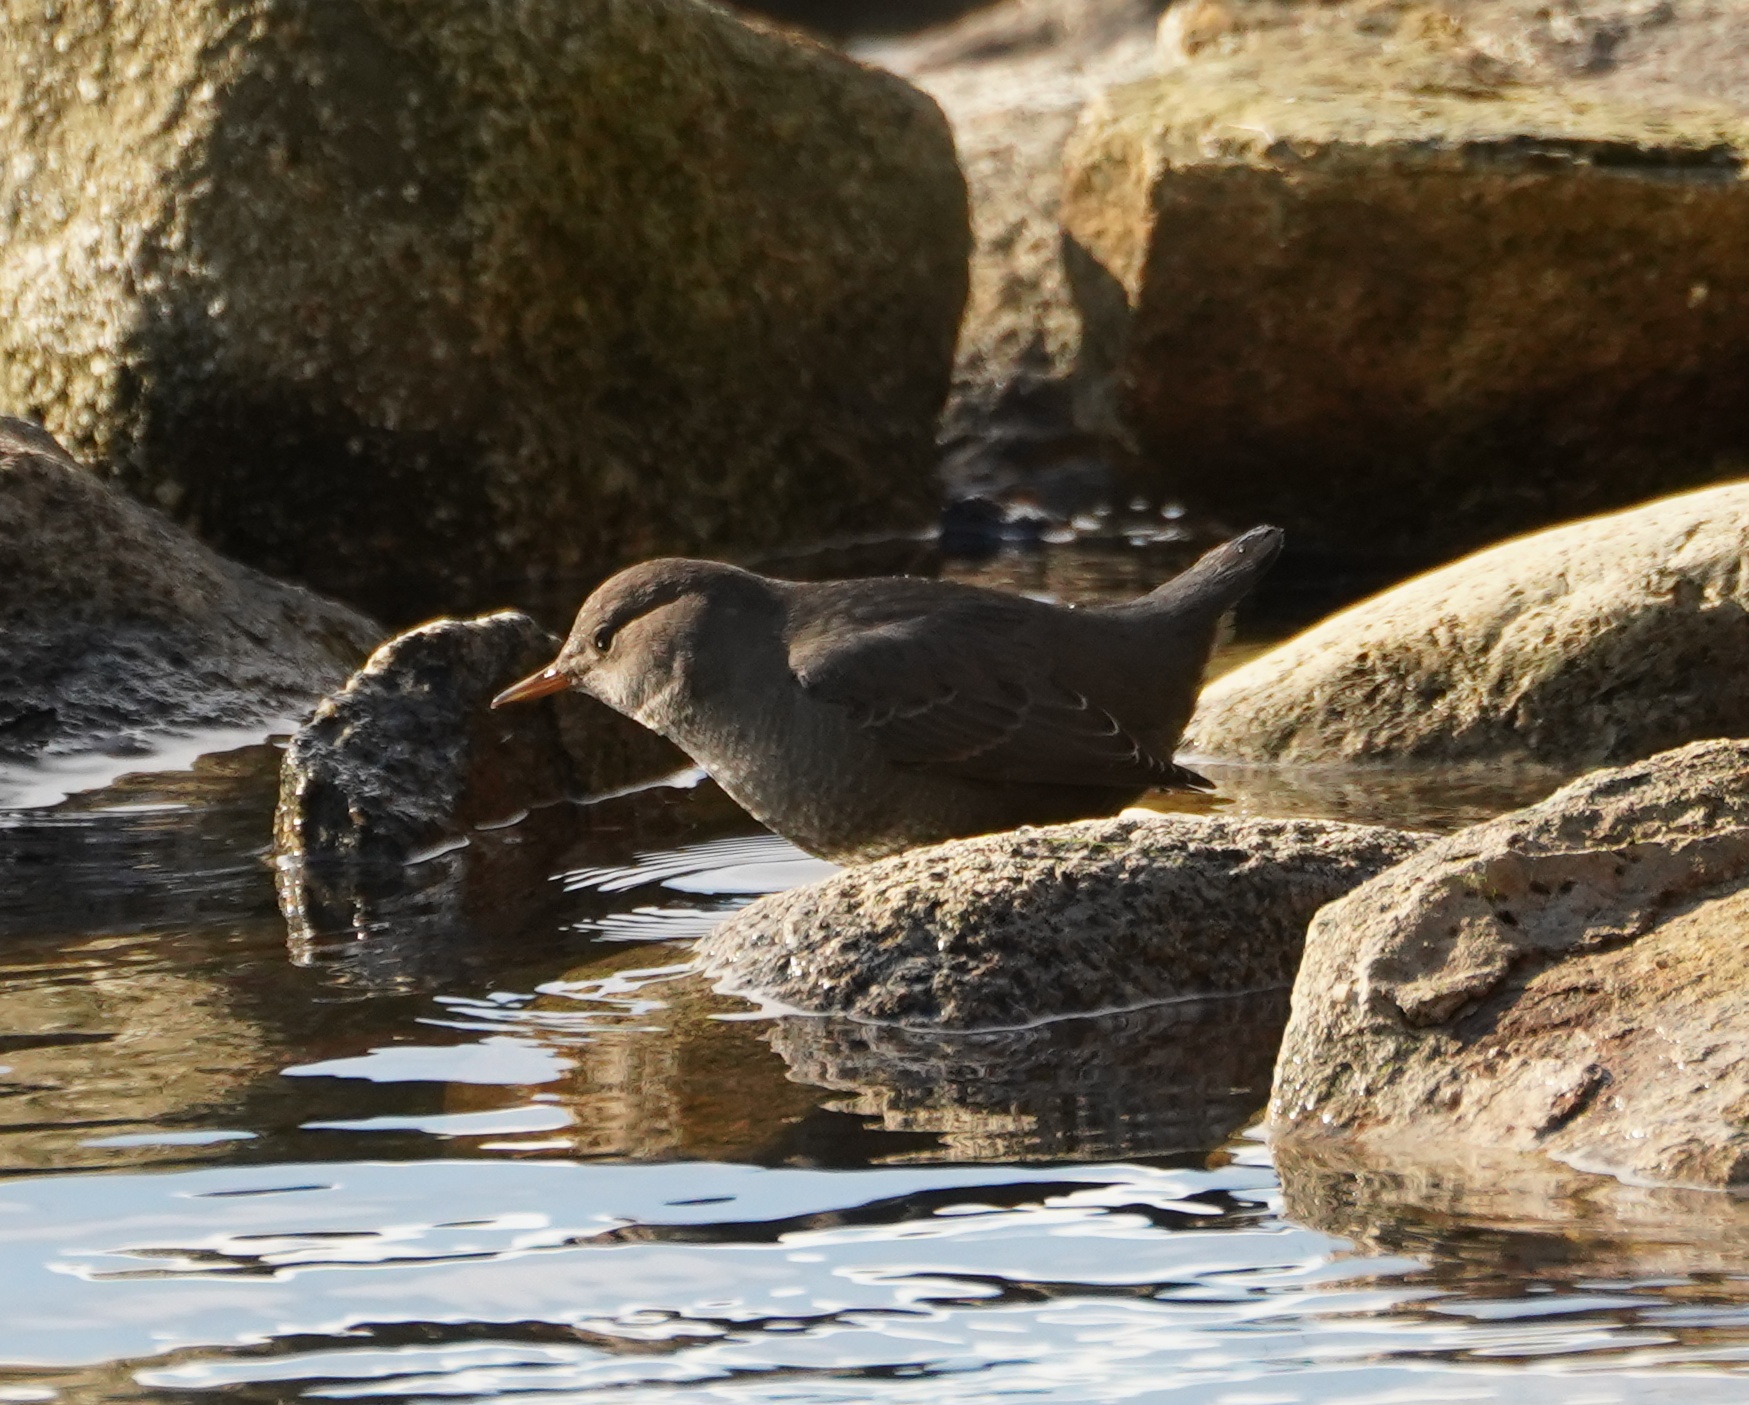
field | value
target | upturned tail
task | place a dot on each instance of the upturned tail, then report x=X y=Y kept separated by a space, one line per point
x=1218 y=579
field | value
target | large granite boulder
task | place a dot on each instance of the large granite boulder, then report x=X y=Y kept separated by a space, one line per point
x=404 y=297
x=1569 y=979
x=116 y=626
x=1600 y=641
x=1396 y=278
x=1072 y=919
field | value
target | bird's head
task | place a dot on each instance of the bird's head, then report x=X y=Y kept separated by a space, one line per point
x=643 y=632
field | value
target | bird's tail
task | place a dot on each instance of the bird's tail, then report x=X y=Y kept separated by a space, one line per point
x=1219 y=579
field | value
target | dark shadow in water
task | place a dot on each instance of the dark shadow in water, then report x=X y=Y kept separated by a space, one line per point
x=1166 y=1080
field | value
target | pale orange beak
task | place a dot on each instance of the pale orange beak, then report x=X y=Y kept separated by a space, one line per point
x=536 y=685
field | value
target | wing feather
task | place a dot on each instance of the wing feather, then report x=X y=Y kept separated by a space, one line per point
x=967 y=689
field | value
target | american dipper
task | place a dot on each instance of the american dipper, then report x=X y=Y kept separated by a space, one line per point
x=858 y=718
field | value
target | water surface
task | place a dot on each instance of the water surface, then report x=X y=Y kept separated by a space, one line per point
x=492 y=1138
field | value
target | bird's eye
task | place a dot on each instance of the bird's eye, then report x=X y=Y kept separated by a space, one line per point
x=603 y=640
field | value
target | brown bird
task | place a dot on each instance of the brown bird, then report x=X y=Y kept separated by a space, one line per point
x=858 y=718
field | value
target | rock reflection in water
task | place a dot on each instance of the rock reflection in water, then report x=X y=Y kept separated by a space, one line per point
x=1470 y=1219
x=1163 y=1080
x=459 y=912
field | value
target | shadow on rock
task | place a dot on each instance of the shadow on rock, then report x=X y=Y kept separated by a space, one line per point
x=1168 y=1079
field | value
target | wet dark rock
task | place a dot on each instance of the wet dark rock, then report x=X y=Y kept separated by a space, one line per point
x=416 y=827
x=409 y=756
x=117 y=625
x=1009 y=929
x=1600 y=641
x=583 y=283
x=1569 y=979
x=1382 y=274
x=1173 y=1078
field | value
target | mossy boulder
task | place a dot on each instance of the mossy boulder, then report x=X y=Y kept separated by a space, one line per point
x=397 y=296
x=1357 y=276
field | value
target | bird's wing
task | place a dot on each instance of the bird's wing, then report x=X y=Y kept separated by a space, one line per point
x=965 y=690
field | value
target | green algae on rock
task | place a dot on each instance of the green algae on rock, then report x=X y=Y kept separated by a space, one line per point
x=1376 y=290
x=1599 y=641
x=374 y=291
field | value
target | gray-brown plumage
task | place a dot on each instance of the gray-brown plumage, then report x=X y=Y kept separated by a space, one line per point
x=858 y=718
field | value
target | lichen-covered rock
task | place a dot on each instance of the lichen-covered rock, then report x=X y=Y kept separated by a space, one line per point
x=1012 y=928
x=116 y=625
x=373 y=292
x=1570 y=979
x=1604 y=640
x=410 y=755
x=1363 y=276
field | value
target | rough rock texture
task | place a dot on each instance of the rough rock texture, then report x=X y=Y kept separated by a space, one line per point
x=581 y=282
x=1406 y=280
x=115 y=624
x=409 y=754
x=1604 y=640
x=1012 y=928
x=1172 y=1078
x=1570 y=979
x=1012 y=77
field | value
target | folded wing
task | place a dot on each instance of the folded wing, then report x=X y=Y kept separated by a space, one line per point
x=970 y=692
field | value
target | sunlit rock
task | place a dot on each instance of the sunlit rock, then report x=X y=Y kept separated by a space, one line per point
x=1406 y=279
x=116 y=625
x=1071 y=919
x=1568 y=979
x=1604 y=640
x=372 y=293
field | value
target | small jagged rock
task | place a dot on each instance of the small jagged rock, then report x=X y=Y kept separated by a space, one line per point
x=409 y=755
x=1013 y=928
x=115 y=624
x=1568 y=979
x=1600 y=641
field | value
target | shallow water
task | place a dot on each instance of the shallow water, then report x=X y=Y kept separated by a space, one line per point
x=492 y=1138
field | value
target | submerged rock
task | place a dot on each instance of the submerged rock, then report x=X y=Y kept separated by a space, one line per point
x=409 y=756
x=1013 y=928
x=1568 y=979
x=116 y=624
x=391 y=295
x=1368 y=275
x=1603 y=640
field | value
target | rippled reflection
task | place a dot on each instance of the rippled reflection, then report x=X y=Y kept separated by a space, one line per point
x=481 y=1130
